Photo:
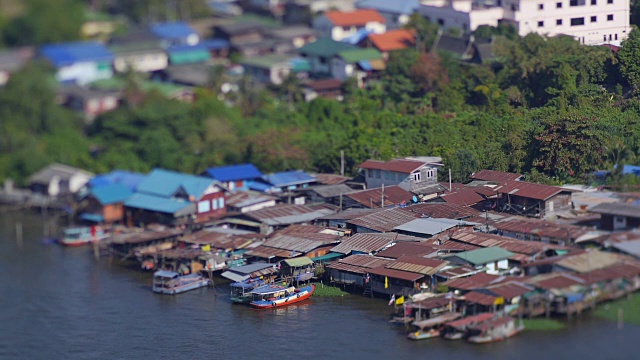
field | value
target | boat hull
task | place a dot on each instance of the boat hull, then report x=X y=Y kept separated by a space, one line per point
x=490 y=339
x=454 y=336
x=302 y=294
x=182 y=288
x=423 y=335
x=74 y=243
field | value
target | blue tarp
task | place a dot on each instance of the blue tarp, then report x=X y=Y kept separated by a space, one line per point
x=66 y=54
x=234 y=172
x=571 y=298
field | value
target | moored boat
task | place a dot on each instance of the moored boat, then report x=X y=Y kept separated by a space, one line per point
x=273 y=296
x=456 y=330
x=241 y=290
x=430 y=328
x=171 y=283
x=78 y=236
x=497 y=329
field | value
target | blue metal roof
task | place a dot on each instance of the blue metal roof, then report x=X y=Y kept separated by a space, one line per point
x=178 y=48
x=110 y=194
x=287 y=178
x=215 y=44
x=172 y=30
x=70 y=53
x=166 y=183
x=126 y=178
x=260 y=186
x=234 y=172
x=156 y=203
x=406 y=7
x=631 y=169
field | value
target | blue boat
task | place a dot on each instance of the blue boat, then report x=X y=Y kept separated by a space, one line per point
x=171 y=283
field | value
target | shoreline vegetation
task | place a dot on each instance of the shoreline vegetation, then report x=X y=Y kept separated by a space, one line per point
x=542 y=324
x=628 y=306
x=323 y=290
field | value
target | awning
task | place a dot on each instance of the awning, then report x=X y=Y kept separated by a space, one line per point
x=91 y=217
x=234 y=276
x=327 y=257
x=301 y=261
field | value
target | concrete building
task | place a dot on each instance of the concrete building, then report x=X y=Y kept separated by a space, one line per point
x=339 y=25
x=588 y=21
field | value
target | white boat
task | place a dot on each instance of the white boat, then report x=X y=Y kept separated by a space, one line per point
x=171 y=283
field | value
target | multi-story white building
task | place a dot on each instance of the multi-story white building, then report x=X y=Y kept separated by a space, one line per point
x=588 y=21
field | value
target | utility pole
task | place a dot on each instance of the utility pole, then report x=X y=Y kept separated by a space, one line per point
x=341 y=162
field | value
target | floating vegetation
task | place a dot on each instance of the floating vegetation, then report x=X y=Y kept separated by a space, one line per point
x=542 y=324
x=630 y=310
x=328 y=291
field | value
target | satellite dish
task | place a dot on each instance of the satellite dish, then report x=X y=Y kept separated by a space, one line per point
x=415 y=199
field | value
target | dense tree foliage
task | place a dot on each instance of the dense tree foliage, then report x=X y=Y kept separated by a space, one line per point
x=547 y=107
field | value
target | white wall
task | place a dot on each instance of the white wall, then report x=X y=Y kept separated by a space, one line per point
x=326 y=28
x=141 y=62
x=259 y=206
x=83 y=73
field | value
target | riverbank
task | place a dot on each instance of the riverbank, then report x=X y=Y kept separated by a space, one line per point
x=629 y=306
x=323 y=290
x=543 y=324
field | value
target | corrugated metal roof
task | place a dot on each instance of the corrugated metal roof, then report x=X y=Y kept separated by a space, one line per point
x=396 y=274
x=241 y=199
x=220 y=240
x=301 y=243
x=385 y=220
x=556 y=280
x=475 y=281
x=136 y=237
x=406 y=248
x=158 y=204
x=328 y=191
x=285 y=214
x=372 y=198
x=417 y=264
x=453 y=272
x=288 y=178
x=248 y=269
x=511 y=289
x=479 y=298
x=166 y=183
x=510 y=244
x=66 y=54
x=538 y=227
x=484 y=255
x=427 y=226
x=298 y=229
x=126 y=178
x=364 y=242
x=349 y=214
x=331 y=179
x=402 y=166
x=463 y=197
x=110 y=194
x=266 y=252
x=493 y=323
x=589 y=261
x=529 y=190
x=437 y=210
x=234 y=172
x=172 y=30
x=628 y=247
x=627 y=270
x=495 y=176
x=299 y=261
x=359 y=264
x=618 y=209
x=470 y=320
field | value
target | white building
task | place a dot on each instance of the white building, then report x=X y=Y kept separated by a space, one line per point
x=588 y=21
x=409 y=173
x=340 y=25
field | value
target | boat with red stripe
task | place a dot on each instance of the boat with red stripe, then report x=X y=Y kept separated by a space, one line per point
x=273 y=296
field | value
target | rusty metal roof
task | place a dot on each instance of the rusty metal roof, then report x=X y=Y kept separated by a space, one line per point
x=269 y=252
x=529 y=190
x=511 y=289
x=475 y=281
x=538 y=227
x=349 y=214
x=433 y=302
x=358 y=264
x=285 y=214
x=442 y=210
x=625 y=270
x=495 y=176
x=396 y=165
x=330 y=179
x=417 y=264
x=406 y=248
x=303 y=243
x=513 y=245
x=456 y=271
x=483 y=326
x=297 y=229
x=386 y=220
x=619 y=209
x=364 y=242
x=246 y=198
x=555 y=280
x=137 y=236
x=470 y=320
x=372 y=198
x=463 y=197
x=589 y=261
x=479 y=298
x=396 y=274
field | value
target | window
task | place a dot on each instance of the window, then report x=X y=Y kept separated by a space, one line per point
x=540 y=6
x=369 y=173
x=441 y=22
x=577 y=21
x=204 y=206
x=594 y=18
x=558 y=5
x=616 y=36
x=377 y=174
x=594 y=2
x=214 y=204
x=416 y=176
x=221 y=203
x=609 y=1
x=559 y=22
x=323 y=60
x=610 y=17
x=540 y=23
x=577 y=2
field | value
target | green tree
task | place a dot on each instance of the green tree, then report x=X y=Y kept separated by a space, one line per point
x=628 y=56
x=46 y=21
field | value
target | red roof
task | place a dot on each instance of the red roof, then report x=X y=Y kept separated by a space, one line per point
x=529 y=190
x=555 y=281
x=330 y=179
x=610 y=273
x=354 y=18
x=470 y=320
x=385 y=220
x=372 y=198
x=396 y=165
x=479 y=298
x=472 y=282
x=510 y=290
x=393 y=40
x=463 y=197
x=396 y=274
x=496 y=176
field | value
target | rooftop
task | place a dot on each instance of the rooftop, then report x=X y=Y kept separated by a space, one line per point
x=356 y=55
x=288 y=178
x=61 y=171
x=110 y=194
x=385 y=220
x=404 y=7
x=172 y=30
x=167 y=183
x=326 y=47
x=484 y=255
x=372 y=198
x=234 y=172
x=354 y=18
x=66 y=54
x=529 y=190
x=403 y=166
x=393 y=40
x=617 y=209
x=495 y=176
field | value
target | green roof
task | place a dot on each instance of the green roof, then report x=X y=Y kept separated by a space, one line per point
x=265 y=61
x=116 y=83
x=485 y=255
x=327 y=257
x=356 y=55
x=301 y=261
x=325 y=47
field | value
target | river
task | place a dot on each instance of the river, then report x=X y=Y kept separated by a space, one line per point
x=60 y=303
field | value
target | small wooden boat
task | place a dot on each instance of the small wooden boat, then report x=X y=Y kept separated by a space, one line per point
x=171 y=283
x=78 y=236
x=431 y=327
x=497 y=329
x=273 y=296
x=456 y=330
